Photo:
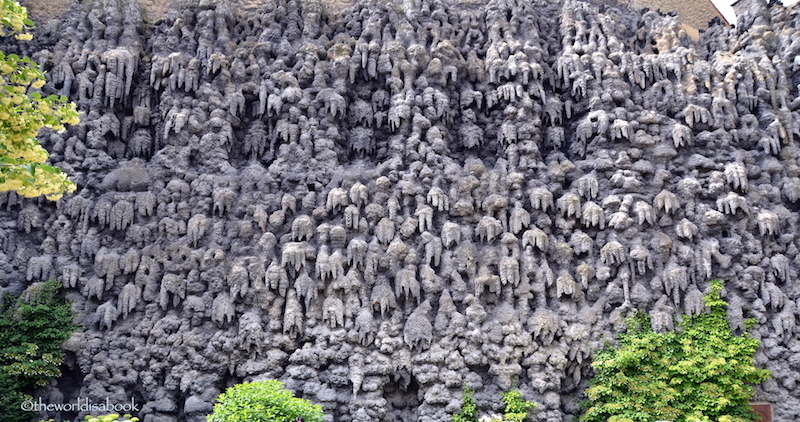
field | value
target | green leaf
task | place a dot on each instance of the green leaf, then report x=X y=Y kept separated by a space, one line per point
x=50 y=169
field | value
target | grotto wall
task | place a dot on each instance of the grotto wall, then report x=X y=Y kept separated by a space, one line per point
x=381 y=205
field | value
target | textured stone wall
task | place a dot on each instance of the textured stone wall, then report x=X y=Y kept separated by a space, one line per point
x=696 y=14
x=380 y=205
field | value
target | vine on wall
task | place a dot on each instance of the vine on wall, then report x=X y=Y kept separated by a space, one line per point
x=32 y=329
x=702 y=372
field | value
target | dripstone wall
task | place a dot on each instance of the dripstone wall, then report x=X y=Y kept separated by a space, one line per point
x=381 y=205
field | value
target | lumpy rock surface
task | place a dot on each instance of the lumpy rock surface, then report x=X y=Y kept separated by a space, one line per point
x=381 y=204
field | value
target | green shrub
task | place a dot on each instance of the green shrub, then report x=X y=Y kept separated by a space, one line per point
x=702 y=372
x=32 y=329
x=469 y=411
x=516 y=408
x=263 y=401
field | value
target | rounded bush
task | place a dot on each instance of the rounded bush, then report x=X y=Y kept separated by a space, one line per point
x=264 y=401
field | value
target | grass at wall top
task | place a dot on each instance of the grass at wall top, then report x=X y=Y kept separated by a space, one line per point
x=702 y=372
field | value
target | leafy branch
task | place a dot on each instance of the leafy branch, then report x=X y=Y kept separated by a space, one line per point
x=703 y=372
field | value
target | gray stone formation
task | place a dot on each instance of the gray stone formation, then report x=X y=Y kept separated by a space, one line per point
x=381 y=205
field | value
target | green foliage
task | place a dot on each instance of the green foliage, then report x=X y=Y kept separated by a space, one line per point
x=469 y=411
x=32 y=329
x=516 y=408
x=701 y=373
x=23 y=112
x=263 y=401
